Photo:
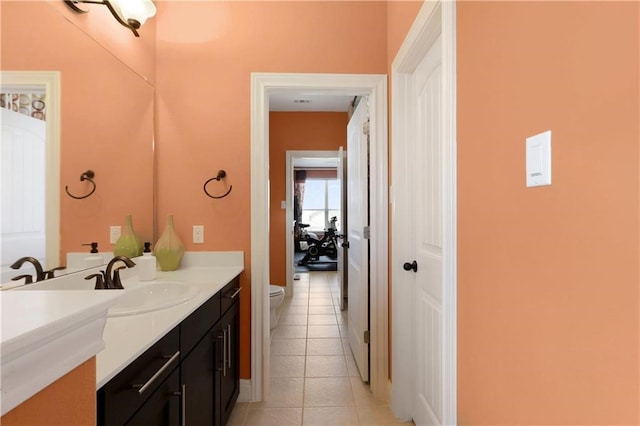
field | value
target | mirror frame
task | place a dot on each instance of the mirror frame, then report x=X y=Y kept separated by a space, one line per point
x=50 y=81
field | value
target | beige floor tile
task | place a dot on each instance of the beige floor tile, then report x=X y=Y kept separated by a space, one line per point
x=362 y=394
x=321 y=310
x=379 y=416
x=352 y=366
x=300 y=294
x=319 y=289
x=327 y=392
x=344 y=330
x=330 y=416
x=288 y=346
x=323 y=332
x=294 y=310
x=239 y=414
x=284 y=392
x=290 y=332
x=326 y=366
x=324 y=347
x=320 y=301
x=296 y=301
x=322 y=320
x=292 y=319
x=287 y=366
x=274 y=416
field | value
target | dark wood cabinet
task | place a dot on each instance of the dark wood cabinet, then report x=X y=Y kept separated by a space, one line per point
x=163 y=406
x=191 y=376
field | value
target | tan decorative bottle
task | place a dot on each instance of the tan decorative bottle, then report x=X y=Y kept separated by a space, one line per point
x=169 y=248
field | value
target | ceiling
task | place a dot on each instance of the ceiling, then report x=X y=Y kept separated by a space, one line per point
x=309 y=102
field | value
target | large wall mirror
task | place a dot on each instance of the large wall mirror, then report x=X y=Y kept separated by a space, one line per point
x=105 y=125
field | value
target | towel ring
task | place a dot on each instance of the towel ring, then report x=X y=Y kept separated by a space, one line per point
x=221 y=175
x=88 y=175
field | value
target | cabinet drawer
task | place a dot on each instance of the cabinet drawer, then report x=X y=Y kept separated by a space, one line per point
x=198 y=323
x=126 y=392
x=229 y=294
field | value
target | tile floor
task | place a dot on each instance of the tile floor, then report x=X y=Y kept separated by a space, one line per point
x=314 y=378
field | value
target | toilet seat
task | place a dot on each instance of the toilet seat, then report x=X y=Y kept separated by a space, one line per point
x=275 y=290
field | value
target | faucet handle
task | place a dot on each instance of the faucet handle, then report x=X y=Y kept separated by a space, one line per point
x=50 y=273
x=99 y=281
x=28 y=279
x=116 y=278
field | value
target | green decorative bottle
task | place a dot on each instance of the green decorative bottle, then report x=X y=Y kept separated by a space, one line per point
x=129 y=244
x=169 y=248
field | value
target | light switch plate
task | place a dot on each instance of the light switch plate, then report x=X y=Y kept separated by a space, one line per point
x=198 y=234
x=114 y=233
x=539 y=159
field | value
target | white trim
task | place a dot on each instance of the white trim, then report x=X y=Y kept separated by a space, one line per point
x=288 y=235
x=374 y=86
x=50 y=80
x=435 y=18
x=245 y=391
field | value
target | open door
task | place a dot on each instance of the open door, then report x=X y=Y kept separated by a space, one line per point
x=357 y=236
x=342 y=221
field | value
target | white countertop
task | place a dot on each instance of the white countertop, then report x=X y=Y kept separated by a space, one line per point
x=127 y=337
x=44 y=335
x=50 y=327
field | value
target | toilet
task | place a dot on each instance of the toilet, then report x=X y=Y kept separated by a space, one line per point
x=276 y=296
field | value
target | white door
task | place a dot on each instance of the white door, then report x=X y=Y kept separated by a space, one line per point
x=357 y=220
x=424 y=216
x=342 y=221
x=23 y=182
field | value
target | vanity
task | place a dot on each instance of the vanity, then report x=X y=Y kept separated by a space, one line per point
x=167 y=363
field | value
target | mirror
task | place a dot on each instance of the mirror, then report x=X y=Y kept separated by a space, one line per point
x=106 y=123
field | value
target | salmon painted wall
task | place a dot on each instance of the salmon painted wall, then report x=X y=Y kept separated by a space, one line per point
x=107 y=112
x=548 y=293
x=312 y=131
x=206 y=52
x=70 y=400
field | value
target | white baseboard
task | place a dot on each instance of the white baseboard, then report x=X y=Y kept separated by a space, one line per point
x=245 y=391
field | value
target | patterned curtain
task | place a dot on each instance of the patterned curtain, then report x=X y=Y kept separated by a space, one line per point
x=298 y=192
x=31 y=104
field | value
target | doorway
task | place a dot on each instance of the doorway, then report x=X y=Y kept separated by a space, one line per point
x=48 y=84
x=373 y=86
x=424 y=220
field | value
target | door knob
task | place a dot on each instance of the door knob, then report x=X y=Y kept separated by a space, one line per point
x=410 y=266
x=345 y=244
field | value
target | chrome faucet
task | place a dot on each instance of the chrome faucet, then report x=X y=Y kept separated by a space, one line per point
x=40 y=274
x=112 y=280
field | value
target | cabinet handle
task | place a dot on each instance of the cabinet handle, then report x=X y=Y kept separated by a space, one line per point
x=229 y=346
x=142 y=388
x=183 y=404
x=235 y=293
x=224 y=354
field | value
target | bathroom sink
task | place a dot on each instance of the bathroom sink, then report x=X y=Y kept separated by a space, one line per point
x=152 y=296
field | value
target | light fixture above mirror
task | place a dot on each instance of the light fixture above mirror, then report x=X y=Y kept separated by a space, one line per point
x=129 y=13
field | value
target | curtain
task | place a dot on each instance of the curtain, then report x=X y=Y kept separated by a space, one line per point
x=300 y=176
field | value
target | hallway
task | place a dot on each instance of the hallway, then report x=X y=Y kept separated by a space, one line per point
x=314 y=379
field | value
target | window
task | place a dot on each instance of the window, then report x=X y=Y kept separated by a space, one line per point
x=321 y=202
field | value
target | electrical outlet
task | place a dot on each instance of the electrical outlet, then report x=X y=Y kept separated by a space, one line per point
x=114 y=234
x=198 y=234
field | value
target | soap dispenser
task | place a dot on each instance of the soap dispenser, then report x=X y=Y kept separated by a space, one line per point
x=94 y=258
x=146 y=264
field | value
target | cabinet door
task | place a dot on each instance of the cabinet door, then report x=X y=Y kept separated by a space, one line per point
x=229 y=377
x=198 y=384
x=163 y=406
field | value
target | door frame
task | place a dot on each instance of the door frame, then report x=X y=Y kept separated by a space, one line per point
x=50 y=82
x=374 y=86
x=291 y=155
x=436 y=18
